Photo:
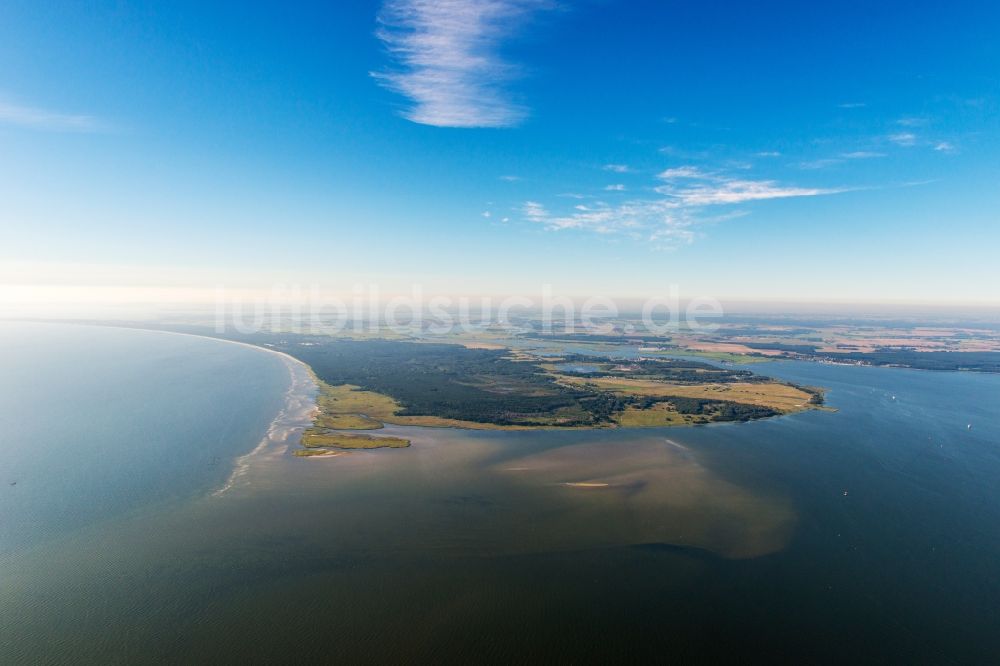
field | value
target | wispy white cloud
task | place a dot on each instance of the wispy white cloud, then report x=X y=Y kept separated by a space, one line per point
x=677 y=173
x=825 y=162
x=600 y=217
x=821 y=163
x=616 y=168
x=852 y=105
x=903 y=139
x=510 y=179
x=43 y=119
x=448 y=59
x=617 y=187
x=685 y=196
x=861 y=155
x=719 y=190
x=945 y=147
x=534 y=211
x=768 y=153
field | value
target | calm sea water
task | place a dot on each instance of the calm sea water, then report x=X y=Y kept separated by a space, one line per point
x=97 y=422
x=870 y=534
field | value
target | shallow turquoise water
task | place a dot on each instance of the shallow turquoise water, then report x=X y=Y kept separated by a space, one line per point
x=871 y=534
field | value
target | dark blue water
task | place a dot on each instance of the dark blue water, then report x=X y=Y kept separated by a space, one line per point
x=870 y=534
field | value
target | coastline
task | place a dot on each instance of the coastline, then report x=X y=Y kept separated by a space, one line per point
x=295 y=416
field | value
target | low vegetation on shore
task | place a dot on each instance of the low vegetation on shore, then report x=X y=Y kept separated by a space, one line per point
x=367 y=384
x=314 y=438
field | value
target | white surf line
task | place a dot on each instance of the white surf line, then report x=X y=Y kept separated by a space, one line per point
x=297 y=414
x=294 y=417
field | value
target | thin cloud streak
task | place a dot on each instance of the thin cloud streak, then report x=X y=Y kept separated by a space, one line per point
x=862 y=155
x=686 y=193
x=727 y=191
x=682 y=172
x=905 y=139
x=42 y=119
x=449 y=66
x=840 y=159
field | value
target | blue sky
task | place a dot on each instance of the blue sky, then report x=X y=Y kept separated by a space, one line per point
x=758 y=151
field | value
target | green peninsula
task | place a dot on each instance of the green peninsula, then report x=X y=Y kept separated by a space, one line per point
x=365 y=384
